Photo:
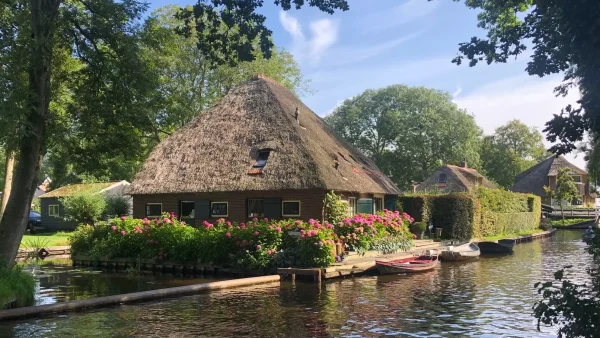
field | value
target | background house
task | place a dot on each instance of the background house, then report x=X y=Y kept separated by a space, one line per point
x=452 y=178
x=43 y=187
x=259 y=152
x=544 y=173
x=53 y=212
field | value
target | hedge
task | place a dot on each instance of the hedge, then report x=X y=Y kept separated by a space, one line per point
x=487 y=212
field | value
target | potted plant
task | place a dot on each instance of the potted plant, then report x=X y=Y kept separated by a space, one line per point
x=418 y=228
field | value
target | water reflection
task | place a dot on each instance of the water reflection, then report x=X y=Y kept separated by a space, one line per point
x=491 y=297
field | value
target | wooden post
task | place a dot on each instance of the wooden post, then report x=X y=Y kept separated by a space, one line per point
x=317 y=276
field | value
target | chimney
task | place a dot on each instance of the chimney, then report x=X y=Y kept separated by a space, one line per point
x=463 y=163
x=297 y=115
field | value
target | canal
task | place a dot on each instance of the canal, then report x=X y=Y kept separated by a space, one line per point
x=491 y=297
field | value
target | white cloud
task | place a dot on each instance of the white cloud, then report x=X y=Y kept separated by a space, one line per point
x=407 y=12
x=457 y=92
x=324 y=34
x=528 y=99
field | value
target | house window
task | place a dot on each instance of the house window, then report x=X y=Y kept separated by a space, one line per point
x=577 y=178
x=219 y=209
x=256 y=208
x=351 y=206
x=153 y=209
x=377 y=204
x=187 y=209
x=261 y=159
x=53 y=210
x=442 y=178
x=290 y=208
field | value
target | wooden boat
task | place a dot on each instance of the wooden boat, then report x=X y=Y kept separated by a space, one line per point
x=501 y=247
x=465 y=252
x=428 y=260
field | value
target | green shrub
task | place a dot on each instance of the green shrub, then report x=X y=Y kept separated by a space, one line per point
x=418 y=227
x=16 y=286
x=391 y=244
x=84 y=207
x=418 y=206
x=335 y=209
x=457 y=215
x=117 y=206
x=503 y=201
x=534 y=204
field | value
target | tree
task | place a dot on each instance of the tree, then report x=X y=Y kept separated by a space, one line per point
x=408 y=131
x=178 y=83
x=565 y=38
x=102 y=35
x=512 y=149
x=84 y=208
x=565 y=190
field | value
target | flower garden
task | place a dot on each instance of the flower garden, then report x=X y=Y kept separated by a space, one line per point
x=253 y=246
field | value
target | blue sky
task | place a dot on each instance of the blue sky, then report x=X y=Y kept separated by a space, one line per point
x=383 y=42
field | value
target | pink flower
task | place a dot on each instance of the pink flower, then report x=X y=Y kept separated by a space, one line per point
x=228 y=224
x=258 y=247
x=256 y=233
x=255 y=219
x=269 y=252
x=113 y=228
x=228 y=234
x=146 y=222
x=242 y=225
x=414 y=236
x=298 y=222
x=278 y=229
x=123 y=218
x=302 y=232
x=166 y=220
x=265 y=219
x=123 y=232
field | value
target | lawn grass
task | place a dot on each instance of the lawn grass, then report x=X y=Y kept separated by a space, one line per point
x=503 y=236
x=46 y=239
x=16 y=286
x=569 y=221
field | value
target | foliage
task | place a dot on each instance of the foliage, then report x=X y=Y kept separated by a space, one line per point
x=335 y=209
x=59 y=238
x=569 y=221
x=408 y=131
x=457 y=214
x=572 y=306
x=564 y=34
x=502 y=201
x=389 y=244
x=512 y=149
x=418 y=227
x=534 y=203
x=16 y=285
x=565 y=190
x=495 y=223
x=419 y=206
x=84 y=207
x=117 y=205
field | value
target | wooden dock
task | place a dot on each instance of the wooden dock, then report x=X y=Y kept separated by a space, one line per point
x=529 y=238
x=49 y=252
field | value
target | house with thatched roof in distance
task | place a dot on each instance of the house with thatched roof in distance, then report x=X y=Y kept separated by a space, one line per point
x=451 y=178
x=544 y=173
x=258 y=152
x=52 y=209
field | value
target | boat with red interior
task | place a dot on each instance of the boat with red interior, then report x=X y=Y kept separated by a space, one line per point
x=426 y=261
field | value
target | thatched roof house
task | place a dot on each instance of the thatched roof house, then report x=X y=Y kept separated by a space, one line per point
x=258 y=152
x=452 y=178
x=544 y=173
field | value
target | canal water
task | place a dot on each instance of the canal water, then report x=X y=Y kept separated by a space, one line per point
x=492 y=297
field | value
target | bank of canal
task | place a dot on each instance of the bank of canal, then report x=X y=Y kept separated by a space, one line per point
x=490 y=297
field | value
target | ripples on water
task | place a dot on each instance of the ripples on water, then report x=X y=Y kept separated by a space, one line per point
x=488 y=298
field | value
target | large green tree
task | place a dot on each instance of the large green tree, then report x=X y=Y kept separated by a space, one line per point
x=408 y=131
x=103 y=35
x=565 y=38
x=179 y=81
x=512 y=149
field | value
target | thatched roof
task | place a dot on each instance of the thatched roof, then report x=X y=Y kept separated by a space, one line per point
x=535 y=178
x=217 y=149
x=73 y=189
x=457 y=179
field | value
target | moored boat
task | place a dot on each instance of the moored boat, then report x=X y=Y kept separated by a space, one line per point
x=465 y=252
x=500 y=247
x=428 y=260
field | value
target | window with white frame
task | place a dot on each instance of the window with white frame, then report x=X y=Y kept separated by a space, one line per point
x=290 y=208
x=577 y=178
x=351 y=206
x=53 y=210
x=219 y=209
x=187 y=209
x=153 y=209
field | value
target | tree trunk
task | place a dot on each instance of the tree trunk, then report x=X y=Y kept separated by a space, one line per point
x=8 y=177
x=31 y=144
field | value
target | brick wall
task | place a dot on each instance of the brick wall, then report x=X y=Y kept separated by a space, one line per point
x=311 y=202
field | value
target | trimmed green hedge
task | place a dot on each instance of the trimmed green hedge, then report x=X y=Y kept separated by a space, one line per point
x=488 y=212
